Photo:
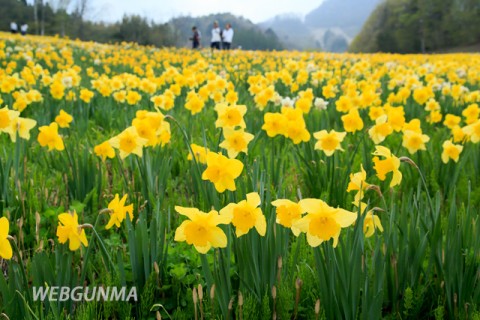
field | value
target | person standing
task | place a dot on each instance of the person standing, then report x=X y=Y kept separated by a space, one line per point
x=23 y=29
x=13 y=27
x=195 y=38
x=216 y=36
x=227 y=37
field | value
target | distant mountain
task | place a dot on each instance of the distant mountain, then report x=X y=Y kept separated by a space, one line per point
x=295 y=35
x=291 y=30
x=247 y=35
x=348 y=15
x=330 y=27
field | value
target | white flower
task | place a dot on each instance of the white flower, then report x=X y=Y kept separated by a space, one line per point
x=447 y=85
x=390 y=65
x=429 y=67
x=320 y=104
x=67 y=81
x=311 y=67
x=277 y=99
x=437 y=87
x=461 y=72
x=287 y=102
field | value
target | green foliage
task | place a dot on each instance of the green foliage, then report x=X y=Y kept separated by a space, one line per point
x=424 y=264
x=285 y=301
x=133 y=28
x=137 y=29
x=247 y=35
x=50 y=22
x=95 y=310
x=147 y=297
x=266 y=312
x=408 y=26
x=439 y=313
x=182 y=314
x=407 y=301
x=251 y=308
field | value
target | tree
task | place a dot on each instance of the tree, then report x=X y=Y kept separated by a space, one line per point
x=420 y=25
x=79 y=12
x=60 y=8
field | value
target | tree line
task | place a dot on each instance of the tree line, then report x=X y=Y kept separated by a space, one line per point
x=52 y=18
x=247 y=34
x=409 y=26
x=67 y=18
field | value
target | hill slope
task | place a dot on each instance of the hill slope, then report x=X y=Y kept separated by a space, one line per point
x=247 y=35
x=292 y=32
x=409 y=26
x=349 y=15
x=330 y=27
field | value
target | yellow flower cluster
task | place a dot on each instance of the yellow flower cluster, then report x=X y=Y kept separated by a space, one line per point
x=70 y=230
x=320 y=223
x=148 y=129
x=14 y=125
x=387 y=102
x=382 y=94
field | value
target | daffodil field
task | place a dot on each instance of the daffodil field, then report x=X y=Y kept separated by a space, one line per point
x=238 y=185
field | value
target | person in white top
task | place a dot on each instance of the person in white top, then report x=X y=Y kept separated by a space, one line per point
x=216 y=36
x=227 y=35
x=23 y=29
x=13 y=27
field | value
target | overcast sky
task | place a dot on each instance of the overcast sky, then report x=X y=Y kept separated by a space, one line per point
x=163 y=10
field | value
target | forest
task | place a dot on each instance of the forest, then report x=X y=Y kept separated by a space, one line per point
x=67 y=18
x=413 y=26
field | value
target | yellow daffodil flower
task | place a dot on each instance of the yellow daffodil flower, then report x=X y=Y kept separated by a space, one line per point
x=69 y=230
x=390 y=164
x=222 y=171
x=5 y=246
x=451 y=151
x=49 y=137
x=63 y=119
x=322 y=222
x=236 y=141
x=118 y=211
x=414 y=141
x=329 y=142
x=128 y=142
x=201 y=230
x=246 y=214
x=288 y=212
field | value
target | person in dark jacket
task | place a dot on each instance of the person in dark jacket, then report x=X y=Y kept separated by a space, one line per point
x=195 y=38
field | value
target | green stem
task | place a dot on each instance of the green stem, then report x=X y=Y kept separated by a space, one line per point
x=104 y=249
x=206 y=270
x=187 y=141
x=87 y=255
x=424 y=182
x=17 y=178
x=120 y=168
x=32 y=313
x=22 y=267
